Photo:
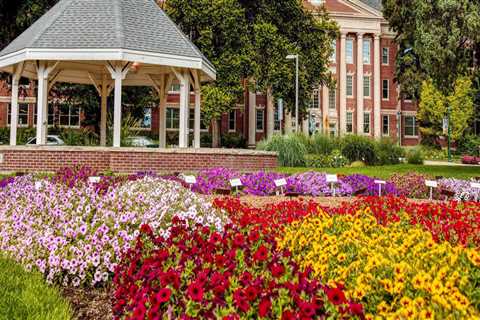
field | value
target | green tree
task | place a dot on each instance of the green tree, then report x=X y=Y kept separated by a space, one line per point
x=433 y=108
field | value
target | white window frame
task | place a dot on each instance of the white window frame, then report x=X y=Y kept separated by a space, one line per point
x=262 y=111
x=234 y=112
x=369 y=82
x=349 y=121
x=387 y=50
x=9 y=115
x=349 y=95
x=349 y=51
x=386 y=116
x=367 y=51
x=332 y=106
x=365 y=122
x=388 y=89
x=191 y=114
x=415 y=129
x=315 y=99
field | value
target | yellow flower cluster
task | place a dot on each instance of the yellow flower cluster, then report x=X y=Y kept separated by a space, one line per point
x=396 y=271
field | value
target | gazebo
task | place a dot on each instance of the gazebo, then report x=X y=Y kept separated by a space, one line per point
x=108 y=44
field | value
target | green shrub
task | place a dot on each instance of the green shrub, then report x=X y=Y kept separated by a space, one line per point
x=233 y=141
x=433 y=153
x=79 y=137
x=321 y=144
x=415 y=156
x=358 y=164
x=25 y=295
x=359 y=148
x=333 y=160
x=4 y=136
x=388 y=152
x=290 y=148
x=469 y=145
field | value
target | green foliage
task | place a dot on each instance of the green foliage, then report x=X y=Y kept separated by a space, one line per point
x=4 y=135
x=322 y=144
x=233 y=140
x=433 y=153
x=291 y=150
x=433 y=108
x=469 y=145
x=360 y=148
x=415 y=156
x=79 y=137
x=335 y=159
x=388 y=152
x=25 y=295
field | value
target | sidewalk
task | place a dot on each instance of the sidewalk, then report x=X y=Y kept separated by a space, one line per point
x=446 y=163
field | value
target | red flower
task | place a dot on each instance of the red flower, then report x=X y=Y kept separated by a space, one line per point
x=336 y=296
x=145 y=228
x=195 y=291
x=254 y=236
x=215 y=237
x=277 y=270
x=264 y=307
x=261 y=254
x=238 y=240
x=251 y=293
x=288 y=315
x=164 y=295
x=307 y=309
x=356 y=309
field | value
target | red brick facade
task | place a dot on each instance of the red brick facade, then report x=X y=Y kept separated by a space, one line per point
x=130 y=160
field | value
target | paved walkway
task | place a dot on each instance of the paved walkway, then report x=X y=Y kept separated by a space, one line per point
x=446 y=163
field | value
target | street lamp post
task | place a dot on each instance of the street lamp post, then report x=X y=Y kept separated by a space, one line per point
x=449 y=134
x=295 y=57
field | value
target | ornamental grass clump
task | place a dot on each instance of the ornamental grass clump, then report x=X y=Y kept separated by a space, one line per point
x=76 y=235
x=396 y=270
x=205 y=274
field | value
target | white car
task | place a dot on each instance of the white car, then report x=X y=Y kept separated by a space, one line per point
x=141 y=141
x=51 y=141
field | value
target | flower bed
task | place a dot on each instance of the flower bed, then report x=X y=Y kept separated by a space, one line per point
x=396 y=271
x=76 y=235
x=231 y=275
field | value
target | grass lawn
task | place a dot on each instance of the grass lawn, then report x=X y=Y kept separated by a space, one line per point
x=25 y=295
x=385 y=172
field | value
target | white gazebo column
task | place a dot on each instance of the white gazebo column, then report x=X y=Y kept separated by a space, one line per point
x=103 y=112
x=184 y=105
x=360 y=83
x=165 y=83
x=343 y=85
x=17 y=72
x=118 y=73
x=270 y=113
x=252 y=117
x=42 y=102
x=325 y=109
x=197 y=115
x=376 y=87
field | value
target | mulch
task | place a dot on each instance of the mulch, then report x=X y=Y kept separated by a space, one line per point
x=90 y=303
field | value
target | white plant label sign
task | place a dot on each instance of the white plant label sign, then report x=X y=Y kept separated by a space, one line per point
x=332 y=178
x=280 y=182
x=431 y=183
x=1 y=158
x=94 y=179
x=38 y=185
x=380 y=182
x=236 y=182
x=190 y=179
x=475 y=185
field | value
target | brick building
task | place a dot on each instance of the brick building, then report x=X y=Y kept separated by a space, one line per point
x=365 y=101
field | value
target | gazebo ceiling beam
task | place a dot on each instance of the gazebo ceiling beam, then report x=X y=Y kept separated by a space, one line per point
x=96 y=84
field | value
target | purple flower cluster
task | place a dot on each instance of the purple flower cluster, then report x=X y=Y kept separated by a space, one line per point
x=209 y=180
x=261 y=183
x=366 y=186
x=315 y=184
x=461 y=188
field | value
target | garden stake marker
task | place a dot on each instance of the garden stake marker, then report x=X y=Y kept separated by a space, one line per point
x=380 y=182
x=431 y=184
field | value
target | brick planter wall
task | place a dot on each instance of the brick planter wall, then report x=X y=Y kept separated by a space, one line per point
x=132 y=160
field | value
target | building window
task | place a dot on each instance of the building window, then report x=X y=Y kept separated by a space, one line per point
x=232 y=120
x=366 y=122
x=349 y=50
x=411 y=129
x=333 y=129
x=385 y=125
x=276 y=120
x=366 y=51
x=385 y=56
x=260 y=119
x=333 y=57
x=175 y=87
x=68 y=116
x=315 y=100
x=173 y=118
x=349 y=122
x=349 y=85
x=366 y=86
x=385 y=89
x=191 y=121
x=332 y=96
x=22 y=114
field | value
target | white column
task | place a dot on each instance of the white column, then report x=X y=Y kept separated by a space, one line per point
x=17 y=72
x=196 y=130
x=270 y=113
x=117 y=109
x=166 y=82
x=376 y=88
x=184 y=105
x=305 y=128
x=252 y=116
x=360 y=83
x=42 y=103
x=288 y=122
x=325 y=109
x=103 y=112
x=343 y=85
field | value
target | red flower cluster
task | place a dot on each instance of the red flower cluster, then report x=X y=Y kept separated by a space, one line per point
x=201 y=273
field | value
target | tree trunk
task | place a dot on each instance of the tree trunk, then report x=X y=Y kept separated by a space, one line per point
x=215 y=133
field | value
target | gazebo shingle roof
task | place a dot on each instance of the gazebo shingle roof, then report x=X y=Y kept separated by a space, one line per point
x=138 y=25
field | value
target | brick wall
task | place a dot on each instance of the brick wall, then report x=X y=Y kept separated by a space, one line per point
x=129 y=160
